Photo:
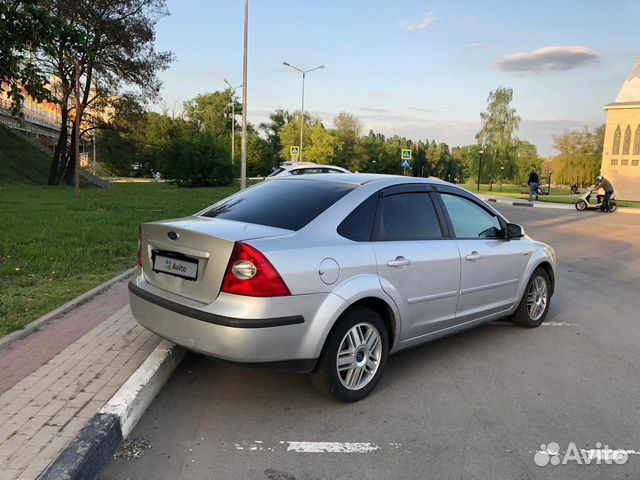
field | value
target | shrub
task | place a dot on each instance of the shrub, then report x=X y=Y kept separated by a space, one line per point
x=201 y=161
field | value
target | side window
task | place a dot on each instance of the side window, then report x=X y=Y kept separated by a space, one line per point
x=297 y=171
x=359 y=223
x=406 y=216
x=470 y=220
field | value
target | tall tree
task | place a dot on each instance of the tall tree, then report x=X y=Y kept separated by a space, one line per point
x=117 y=57
x=211 y=112
x=348 y=129
x=26 y=27
x=497 y=135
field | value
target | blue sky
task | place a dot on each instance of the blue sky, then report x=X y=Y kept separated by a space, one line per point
x=422 y=69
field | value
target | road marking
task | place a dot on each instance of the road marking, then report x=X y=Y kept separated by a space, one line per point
x=557 y=324
x=316 y=447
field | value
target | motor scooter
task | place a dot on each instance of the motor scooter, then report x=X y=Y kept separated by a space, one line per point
x=585 y=201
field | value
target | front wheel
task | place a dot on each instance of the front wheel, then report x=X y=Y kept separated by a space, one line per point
x=353 y=357
x=581 y=205
x=534 y=305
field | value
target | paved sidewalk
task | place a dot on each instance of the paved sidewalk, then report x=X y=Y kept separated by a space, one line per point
x=53 y=381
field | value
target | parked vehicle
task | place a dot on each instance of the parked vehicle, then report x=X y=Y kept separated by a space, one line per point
x=304 y=168
x=586 y=201
x=574 y=189
x=329 y=274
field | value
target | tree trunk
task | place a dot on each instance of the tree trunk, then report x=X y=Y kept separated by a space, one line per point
x=70 y=170
x=60 y=153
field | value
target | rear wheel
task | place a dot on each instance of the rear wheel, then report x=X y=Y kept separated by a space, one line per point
x=534 y=305
x=581 y=205
x=353 y=357
x=612 y=206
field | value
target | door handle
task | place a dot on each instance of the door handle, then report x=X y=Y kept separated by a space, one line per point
x=399 y=262
x=474 y=257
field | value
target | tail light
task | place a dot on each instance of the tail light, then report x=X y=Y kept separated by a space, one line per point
x=249 y=273
x=140 y=239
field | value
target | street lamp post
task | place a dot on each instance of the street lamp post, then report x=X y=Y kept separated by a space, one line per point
x=233 y=119
x=243 y=143
x=549 y=188
x=501 y=175
x=480 y=169
x=304 y=74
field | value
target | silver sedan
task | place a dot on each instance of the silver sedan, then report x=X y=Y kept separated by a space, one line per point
x=329 y=274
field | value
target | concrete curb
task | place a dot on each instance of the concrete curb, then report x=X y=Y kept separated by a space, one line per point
x=557 y=206
x=62 y=310
x=94 y=446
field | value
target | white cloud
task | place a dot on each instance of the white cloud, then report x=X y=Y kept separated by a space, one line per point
x=477 y=45
x=428 y=21
x=548 y=59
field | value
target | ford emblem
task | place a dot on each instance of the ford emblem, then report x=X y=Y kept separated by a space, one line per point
x=173 y=235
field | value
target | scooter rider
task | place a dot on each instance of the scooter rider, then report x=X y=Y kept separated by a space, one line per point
x=608 y=191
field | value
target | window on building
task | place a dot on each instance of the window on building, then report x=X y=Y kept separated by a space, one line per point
x=634 y=163
x=614 y=161
x=627 y=141
x=616 y=142
x=624 y=162
x=636 y=142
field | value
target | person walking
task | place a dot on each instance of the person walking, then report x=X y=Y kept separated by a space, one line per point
x=533 y=184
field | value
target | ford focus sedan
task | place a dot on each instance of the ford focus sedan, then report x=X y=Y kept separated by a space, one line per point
x=330 y=275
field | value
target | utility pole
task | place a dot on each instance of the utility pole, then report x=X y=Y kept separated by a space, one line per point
x=243 y=144
x=233 y=120
x=77 y=130
x=479 y=170
x=304 y=75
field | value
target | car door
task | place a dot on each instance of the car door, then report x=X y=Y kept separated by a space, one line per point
x=491 y=265
x=417 y=265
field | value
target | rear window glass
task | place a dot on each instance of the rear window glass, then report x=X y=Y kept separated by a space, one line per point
x=276 y=172
x=359 y=223
x=287 y=204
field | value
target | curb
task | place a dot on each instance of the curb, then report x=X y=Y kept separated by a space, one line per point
x=94 y=446
x=557 y=206
x=30 y=327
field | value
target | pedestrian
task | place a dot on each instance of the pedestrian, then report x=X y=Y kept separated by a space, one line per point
x=608 y=191
x=533 y=184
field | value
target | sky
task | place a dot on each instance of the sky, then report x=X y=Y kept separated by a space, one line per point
x=419 y=69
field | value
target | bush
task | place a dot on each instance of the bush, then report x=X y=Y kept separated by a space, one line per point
x=197 y=162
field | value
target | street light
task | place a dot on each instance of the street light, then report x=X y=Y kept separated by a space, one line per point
x=304 y=74
x=501 y=175
x=243 y=143
x=233 y=118
x=480 y=169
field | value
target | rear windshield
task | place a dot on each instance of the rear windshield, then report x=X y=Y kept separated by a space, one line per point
x=276 y=172
x=287 y=204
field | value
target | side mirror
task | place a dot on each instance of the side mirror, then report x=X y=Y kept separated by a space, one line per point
x=514 y=230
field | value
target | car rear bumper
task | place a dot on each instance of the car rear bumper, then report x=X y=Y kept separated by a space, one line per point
x=234 y=328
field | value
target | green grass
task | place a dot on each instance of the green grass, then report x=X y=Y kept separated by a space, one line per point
x=20 y=161
x=53 y=247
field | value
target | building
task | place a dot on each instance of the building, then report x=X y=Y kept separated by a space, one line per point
x=621 y=153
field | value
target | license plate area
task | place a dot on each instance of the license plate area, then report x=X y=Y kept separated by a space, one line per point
x=174 y=263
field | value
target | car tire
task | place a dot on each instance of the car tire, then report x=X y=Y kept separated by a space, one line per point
x=359 y=373
x=536 y=295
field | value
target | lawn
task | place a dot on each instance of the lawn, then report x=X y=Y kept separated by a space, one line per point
x=53 y=247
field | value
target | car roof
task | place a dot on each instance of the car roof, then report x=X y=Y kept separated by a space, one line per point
x=361 y=179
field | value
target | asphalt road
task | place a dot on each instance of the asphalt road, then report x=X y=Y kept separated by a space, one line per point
x=477 y=405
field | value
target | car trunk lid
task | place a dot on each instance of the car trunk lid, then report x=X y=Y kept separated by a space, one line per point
x=189 y=256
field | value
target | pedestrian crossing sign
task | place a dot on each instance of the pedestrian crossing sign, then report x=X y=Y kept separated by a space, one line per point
x=294 y=150
x=406 y=154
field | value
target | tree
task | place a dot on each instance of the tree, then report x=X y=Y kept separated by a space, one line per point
x=26 y=27
x=497 y=135
x=289 y=134
x=211 y=112
x=277 y=121
x=348 y=131
x=323 y=145
x=580 y=155
x=118 y=56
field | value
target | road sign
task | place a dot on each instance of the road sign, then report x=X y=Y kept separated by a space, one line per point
x=406 y=164
x=294 y=150
x=406 y=154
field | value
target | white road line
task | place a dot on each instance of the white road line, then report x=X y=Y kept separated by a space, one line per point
x=315 y=447
x=557 y=324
